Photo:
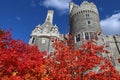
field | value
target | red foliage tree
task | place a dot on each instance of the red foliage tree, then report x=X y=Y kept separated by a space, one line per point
x=85 y=63
x=19 y=61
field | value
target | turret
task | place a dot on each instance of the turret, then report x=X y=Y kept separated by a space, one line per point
x=84 y=21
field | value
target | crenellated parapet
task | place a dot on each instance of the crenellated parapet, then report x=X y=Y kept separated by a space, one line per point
x=84 y=18
x=85 y=7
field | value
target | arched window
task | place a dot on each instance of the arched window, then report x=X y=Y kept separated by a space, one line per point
x=87 y=36
x=91 y=35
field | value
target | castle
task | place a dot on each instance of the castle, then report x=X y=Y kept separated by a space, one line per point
x=84 y=25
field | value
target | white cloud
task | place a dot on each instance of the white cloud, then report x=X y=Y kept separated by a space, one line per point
x=111 y=25
x=57 y=4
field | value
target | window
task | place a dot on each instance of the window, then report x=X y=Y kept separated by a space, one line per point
x=95 y=36
x=88 y=22
x=91 y=35
x=86 y=36
x=33 y=40
x=87 y=15
x=77 y=37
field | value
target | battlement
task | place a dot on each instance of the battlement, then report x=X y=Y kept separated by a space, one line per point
x=83 y=8
x=117 y=37
x=112 y=39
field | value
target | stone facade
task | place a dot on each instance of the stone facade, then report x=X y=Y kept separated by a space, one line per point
x=84 y=18
x=112 y=44
x=42 y=33
x=84 y=22
x=84 y=25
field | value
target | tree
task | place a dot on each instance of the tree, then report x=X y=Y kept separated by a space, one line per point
x=85 y=63
x=19 y=61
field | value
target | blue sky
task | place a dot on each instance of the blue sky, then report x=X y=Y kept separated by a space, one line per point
x=21 y=16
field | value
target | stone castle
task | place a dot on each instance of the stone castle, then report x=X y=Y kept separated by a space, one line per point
x=84 y=25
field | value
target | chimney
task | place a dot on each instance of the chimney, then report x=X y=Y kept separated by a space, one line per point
x=49 y=17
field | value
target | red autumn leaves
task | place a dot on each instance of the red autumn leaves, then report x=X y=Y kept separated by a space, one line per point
x=20 y=61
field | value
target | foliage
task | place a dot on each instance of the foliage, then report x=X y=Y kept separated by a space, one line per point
x=85 y=63
x=19 y=61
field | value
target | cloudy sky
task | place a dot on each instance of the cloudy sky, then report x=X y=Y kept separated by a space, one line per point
x=21 y=16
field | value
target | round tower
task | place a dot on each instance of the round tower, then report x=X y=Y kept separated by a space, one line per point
x=84 y=21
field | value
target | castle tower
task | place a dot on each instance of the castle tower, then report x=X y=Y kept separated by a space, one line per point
x=85 y=25
x=42 y=33
x=84 y=21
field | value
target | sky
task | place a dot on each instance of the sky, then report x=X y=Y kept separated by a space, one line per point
x=20 y=17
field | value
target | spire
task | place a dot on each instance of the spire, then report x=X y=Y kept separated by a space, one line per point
x=49 y=17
